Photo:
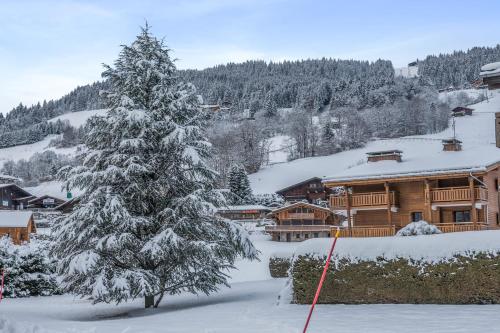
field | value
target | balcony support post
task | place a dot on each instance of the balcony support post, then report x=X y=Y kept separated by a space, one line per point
x=473 y=201
x=348 y=209
x=428 y=201
x=388 y=202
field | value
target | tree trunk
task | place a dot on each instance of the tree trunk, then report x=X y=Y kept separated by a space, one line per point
x=159 y=299
x=149 y=301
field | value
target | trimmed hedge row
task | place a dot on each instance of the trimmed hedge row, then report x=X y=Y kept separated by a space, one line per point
x=278 y=267
x=464 y=280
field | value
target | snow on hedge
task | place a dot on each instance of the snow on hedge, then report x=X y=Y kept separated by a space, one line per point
x=426 y=248
x=418 y=228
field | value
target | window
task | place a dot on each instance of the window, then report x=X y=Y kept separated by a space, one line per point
x=498 y=219
x=306 y=236
x=416 y=216
x=496 y=184
x=297 y=236
x=460 y=216
x=316 y=235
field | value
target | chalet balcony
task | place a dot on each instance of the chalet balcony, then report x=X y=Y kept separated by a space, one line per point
x=300 y=216
x=371 y=199
x=453 y=194
x=464 y=226
x=290 y=228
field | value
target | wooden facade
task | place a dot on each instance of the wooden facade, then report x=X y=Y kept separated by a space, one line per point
x=453 y=202
x=301 y=221
x=310 y=190
x=18 y=225
x=13 y=197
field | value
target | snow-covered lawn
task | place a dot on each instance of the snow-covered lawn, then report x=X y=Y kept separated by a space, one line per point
x=250 y=305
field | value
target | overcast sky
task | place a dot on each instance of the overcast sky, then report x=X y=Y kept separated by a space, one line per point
x=47 y=48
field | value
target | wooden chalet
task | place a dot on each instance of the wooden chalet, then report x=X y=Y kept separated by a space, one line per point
x=460 y=111
x=45 y=202
x=67 y=206
x=13 y=197
x=300 y=221
x=454 y=189
x=310 y=190
x=245 y=213
x=18 y=225
x=490 y=74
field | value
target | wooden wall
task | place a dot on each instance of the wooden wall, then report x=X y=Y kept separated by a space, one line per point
x=493 y=205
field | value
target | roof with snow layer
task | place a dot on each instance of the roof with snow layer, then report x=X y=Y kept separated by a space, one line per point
x=15 y=218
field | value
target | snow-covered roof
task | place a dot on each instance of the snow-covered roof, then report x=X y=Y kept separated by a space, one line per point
x=14 y=218
x=7 y=177
x=492 y=69
x=244 y=207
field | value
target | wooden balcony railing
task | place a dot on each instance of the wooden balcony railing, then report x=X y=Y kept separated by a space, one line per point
x=363 y=200
x=458 y=194
x=289 y=228
x=457 y=227
x=370 y=231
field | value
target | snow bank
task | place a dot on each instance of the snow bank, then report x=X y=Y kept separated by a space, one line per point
x=418 y=228
x=427 y=248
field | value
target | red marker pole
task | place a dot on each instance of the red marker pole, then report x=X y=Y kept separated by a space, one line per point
x=1 y=285
x=320 y=284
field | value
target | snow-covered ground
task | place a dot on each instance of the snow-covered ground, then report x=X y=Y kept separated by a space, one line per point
x=477 y=133
x=77 y=119
x=278 y=148
x=250 y=305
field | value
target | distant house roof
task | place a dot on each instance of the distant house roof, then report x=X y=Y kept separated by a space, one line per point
x=65 y=204
x=492 y=69
x=43 y=197
x=384 y=152
x=15 y=218
x=239 y=208
x=8 y=178
x=461 y=108
x=25 y=193
x=313 y=179
x=299 y=204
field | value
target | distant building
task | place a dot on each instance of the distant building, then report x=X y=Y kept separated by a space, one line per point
x=244 y=213
x=5 y=179
x=67 y=206
x=45 y=202
x=490 y=74
x=310 y=190
x=18 y=225
x=460 y=111
x=13 y=197
x=300 y=221
x=410 y=71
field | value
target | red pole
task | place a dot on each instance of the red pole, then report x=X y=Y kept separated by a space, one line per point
x=1 y=287
x=320 y=284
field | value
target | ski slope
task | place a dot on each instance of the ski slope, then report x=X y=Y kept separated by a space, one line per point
x=477 y=132
x=77 y=119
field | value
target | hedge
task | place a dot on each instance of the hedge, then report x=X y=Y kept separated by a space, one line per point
x=278 y=267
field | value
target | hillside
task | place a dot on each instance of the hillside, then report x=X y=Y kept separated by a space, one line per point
x=476 y=132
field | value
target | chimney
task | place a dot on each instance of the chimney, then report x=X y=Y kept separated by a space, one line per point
x=452 y=145
x=497 y=128
x=386 y=155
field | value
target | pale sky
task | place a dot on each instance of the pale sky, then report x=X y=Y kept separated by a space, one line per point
x=47 y=48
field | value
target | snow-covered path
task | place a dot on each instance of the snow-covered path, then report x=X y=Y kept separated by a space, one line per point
x=246 y=307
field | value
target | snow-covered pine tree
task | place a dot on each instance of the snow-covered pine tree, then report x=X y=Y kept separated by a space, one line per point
x=146 y=225
x=239 y=185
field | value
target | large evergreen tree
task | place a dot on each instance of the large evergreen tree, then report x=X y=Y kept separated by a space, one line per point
x=146 y=223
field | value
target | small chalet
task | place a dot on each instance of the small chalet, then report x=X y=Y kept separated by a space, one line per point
x=300 y=221
x=490 y=74
x=5 y=179
x=13 y=197
x=45 y=202
x=18 y=225
x=310 y=190
x=244 y=213
x=461 y=111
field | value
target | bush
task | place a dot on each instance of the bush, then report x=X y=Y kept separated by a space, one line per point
x=28 y=269
x=418 y=228
x=278 y=267
x=471 y=279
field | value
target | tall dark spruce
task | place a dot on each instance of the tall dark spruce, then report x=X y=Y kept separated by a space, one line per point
x=146 y=225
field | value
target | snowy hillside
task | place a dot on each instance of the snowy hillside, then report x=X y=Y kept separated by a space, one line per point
x=76 y=119
x=477 y=133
